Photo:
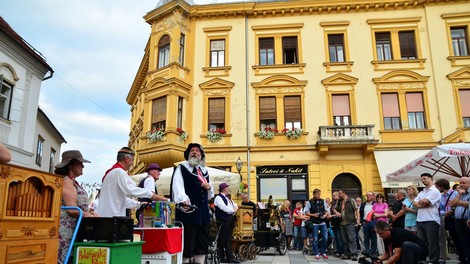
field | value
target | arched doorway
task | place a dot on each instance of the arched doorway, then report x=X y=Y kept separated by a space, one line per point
x=349 y=183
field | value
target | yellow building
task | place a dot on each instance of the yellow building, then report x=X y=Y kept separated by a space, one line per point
x=369 y=83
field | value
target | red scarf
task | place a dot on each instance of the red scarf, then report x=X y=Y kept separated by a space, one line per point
x=117 y=165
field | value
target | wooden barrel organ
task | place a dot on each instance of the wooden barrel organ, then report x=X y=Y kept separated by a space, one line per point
x=29 y=215
x=243 y=236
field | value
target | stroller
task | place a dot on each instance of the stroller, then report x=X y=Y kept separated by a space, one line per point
x=213 y=256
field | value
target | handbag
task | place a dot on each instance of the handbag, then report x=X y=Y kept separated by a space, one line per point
x=370 y=216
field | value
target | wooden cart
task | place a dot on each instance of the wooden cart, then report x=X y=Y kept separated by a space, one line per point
x=243 y=237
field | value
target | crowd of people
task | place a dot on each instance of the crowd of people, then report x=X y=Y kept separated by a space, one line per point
x=419 y=227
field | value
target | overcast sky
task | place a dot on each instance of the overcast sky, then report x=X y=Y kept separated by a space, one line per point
x=95 y=48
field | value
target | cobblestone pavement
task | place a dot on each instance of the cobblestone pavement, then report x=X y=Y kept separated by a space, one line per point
x=296 y=257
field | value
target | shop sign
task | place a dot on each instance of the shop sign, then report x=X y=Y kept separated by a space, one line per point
x=92 y=255
x=274 y=170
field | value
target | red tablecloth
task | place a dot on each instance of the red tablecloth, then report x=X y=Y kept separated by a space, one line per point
x=161 y=240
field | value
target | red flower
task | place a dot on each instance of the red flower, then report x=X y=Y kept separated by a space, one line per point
x=221 y=131
x=179 y=130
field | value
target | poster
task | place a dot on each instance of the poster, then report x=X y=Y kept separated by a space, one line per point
x=92 y=255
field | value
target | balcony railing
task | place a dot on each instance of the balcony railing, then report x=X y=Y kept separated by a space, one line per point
x=346 y=133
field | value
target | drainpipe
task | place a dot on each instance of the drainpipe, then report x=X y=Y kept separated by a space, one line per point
x=247 y=103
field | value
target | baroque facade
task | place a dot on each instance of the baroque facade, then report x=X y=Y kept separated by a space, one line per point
x=362 y=87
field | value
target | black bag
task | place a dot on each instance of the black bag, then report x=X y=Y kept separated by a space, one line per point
x=309 y=226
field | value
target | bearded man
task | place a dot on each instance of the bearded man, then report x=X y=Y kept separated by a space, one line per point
x=190 y=185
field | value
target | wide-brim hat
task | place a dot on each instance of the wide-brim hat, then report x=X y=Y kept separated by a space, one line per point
x=70 y=155
x=153 y=166
x=223 y=186
x=192 y=145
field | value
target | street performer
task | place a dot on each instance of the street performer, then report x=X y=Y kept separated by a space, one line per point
x=190 y=185
x=118 y=187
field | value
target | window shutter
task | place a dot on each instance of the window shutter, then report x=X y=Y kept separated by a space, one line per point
x=216 y=110
x=465 y=102
x=390 y=105
x=341 y=105
x=335 y=39
x=407 y=44
x=289 y=42
x=159 y=110
x=267 y=108
x=292 y=109
x=217 y=45
x=266 y=43
x=414 y=102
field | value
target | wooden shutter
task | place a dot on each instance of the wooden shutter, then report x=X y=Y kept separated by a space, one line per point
x=159 y=110
x=266 y=43
x=289 y=42
x=267 y=108
x=217 y=111
x=292 y=109
x=407 y=44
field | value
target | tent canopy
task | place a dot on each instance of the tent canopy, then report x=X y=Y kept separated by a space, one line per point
x=216 y=177
x=449 y=161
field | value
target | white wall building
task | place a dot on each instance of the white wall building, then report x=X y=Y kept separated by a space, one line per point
x=22 y=71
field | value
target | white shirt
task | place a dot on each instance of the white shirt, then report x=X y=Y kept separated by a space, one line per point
x=229 y=208
x=116 y=191
x=430 y=213
x=367 y=209
x=179 y=193
x=149 y=184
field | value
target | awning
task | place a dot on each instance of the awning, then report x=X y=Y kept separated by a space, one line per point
x=389 y=161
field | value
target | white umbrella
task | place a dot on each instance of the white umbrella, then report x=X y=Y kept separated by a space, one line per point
x=216 y=177
x=449 y=161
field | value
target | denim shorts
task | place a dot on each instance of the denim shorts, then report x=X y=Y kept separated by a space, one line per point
x=303 y=232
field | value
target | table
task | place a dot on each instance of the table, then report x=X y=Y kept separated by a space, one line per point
x=162 y=245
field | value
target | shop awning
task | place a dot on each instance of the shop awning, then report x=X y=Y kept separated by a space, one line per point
x=389 y=161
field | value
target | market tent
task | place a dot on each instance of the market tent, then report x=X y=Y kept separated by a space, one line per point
x=216 y=177
x=449 y=161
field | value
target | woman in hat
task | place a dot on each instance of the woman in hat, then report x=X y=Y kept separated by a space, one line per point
x=72 y=195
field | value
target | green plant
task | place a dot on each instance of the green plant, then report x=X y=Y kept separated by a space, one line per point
x=182 y=133
x=156 y=135
x=293 y=133
x=215 y=135
x=267 y=133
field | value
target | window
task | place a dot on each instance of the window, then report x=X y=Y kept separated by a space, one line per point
x=289 y=50
x=391 y=111
x=216 y=113
x=266 y=51
x=159 y=113
x=182 y=40
x=267 y=112
x=415 y=108
x=179 y=120
x=163 y=51
x=292 y=112
x=217 y=53
x=383 y=45
x=341 y=110
x=459 y=41
x=6 y=93
x=464 y=96
x=39 y=151
x=51 y=160
x=336 y=47
x=407 y=45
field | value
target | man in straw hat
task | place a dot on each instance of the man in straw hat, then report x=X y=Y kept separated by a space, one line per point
x=225 y=210
x=190 y=185
x=118 y=187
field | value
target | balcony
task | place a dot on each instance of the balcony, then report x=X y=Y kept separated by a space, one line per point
x=361 y=134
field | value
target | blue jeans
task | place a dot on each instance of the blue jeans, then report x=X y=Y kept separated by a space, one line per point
x=370 y=239
x=428 y=231
x=298 y=242
x=315 y=239
x=338 y=238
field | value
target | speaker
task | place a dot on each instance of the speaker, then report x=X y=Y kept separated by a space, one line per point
x=106 y=229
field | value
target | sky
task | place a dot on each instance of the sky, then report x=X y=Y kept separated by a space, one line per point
x=95 y=48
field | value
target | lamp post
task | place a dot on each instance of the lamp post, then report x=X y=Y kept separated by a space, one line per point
x=239 y=165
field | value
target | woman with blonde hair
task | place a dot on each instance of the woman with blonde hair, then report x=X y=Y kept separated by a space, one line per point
x=410 y=211
x=286 y=222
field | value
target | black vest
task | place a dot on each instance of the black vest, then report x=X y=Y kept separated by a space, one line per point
x=198 y=197
x=317 y=206
x=221 y=215
x=141 y=185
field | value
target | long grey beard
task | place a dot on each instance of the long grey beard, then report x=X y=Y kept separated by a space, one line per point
x=194 y=161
